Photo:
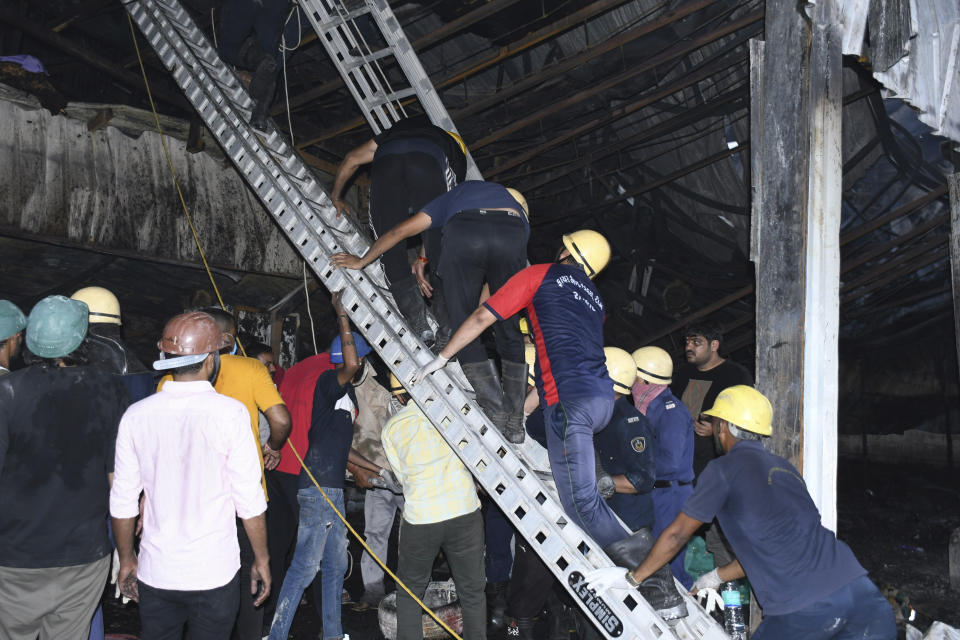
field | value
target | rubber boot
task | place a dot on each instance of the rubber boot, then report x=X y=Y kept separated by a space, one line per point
x=438 y=308
x=660 y=589
x=406 y=294
x=496 y=606
x=486 y=384
x=520 y=629
x=263 y=79
x=514 y=393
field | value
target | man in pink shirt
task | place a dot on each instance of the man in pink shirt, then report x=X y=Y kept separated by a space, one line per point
x=186 y=448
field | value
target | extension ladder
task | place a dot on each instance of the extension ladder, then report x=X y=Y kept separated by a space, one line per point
x=293 y=196
x=366 y=66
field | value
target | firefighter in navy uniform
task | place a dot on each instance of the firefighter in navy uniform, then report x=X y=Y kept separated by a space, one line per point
x=626 y=449
x=673 y=433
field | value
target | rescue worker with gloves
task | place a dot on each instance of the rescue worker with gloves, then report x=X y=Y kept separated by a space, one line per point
x=809 y=584
x=485 y=230
x=673 y=433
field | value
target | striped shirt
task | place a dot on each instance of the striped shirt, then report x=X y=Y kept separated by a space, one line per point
x=436 y=484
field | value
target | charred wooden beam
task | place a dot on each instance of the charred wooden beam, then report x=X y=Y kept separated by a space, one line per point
x=796 y=117
x=899 y=212
x=622 y=111
x=547 y=73
x=647 y=186
x=677 y=51
x=672 y=125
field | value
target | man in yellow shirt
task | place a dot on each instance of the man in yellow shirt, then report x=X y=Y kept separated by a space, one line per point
x=248 y=381
x=441 y=511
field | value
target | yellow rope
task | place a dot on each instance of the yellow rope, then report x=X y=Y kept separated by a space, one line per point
x=206 y=266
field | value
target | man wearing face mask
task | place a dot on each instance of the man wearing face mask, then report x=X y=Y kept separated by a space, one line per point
x=248 y=381
x=187 y=448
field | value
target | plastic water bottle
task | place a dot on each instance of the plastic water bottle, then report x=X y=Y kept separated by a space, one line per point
x=732 y=612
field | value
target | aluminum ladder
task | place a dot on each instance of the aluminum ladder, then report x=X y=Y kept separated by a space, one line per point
x=380 y=74
x=292 y=195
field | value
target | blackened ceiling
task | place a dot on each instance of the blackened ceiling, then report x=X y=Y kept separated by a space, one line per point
x=626 y=116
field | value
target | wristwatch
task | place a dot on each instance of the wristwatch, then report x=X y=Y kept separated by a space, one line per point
x=631 y=580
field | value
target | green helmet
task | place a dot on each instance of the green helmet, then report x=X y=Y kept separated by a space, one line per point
x=12 y=320
x=56 y=326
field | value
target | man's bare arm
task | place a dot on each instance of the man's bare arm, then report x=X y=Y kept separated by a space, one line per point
x=356 y=158
x=127 y=577
x=256 y=529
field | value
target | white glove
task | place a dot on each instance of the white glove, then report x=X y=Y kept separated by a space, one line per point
x=709 y=580
x=607 y=578
x=114 y=574
x=714 y=601
x=435 y=365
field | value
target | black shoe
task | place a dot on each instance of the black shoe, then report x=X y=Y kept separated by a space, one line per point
x=520 y=629
x=496 y=606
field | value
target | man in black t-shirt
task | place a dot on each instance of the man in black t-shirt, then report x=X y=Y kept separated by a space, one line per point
x=697 y=384
x=58 y=429
x=700 y=381
x=321 y=535
x=412 y=163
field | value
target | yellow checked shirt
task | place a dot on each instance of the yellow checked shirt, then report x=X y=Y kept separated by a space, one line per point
x=246 y=380
x=436 y=485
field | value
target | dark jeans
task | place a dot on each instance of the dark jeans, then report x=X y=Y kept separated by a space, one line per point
x=208 y=614
x=571 y=424
x=530 y=583
x=857 y=611
x=499 y=532
x=249 y=623
x=480 y=248
x=461 y=540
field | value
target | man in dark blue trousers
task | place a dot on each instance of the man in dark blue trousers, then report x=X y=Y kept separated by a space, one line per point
x=809 y=584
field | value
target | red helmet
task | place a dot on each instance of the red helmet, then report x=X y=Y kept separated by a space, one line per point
x=190 y=334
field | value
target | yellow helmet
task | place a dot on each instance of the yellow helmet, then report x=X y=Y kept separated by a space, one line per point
x=622 y=369
x=589 y=249
x=744 y=407
x=104 y=307
x=395 y=387
x=530 y=356
x=654 y=365
x=524 y=327
x=516 y=195
x=456 y=136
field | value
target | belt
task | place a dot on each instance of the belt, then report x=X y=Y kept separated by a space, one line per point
x=663 y=484
x=483 y=212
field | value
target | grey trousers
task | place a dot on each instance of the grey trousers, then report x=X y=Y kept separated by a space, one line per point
x=379 y=510
x=717 y=545
x=56 y=603
x=461 y=540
